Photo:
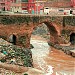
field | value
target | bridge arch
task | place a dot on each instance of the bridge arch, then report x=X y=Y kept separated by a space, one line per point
x=12 y=39
x=52 y=27
x=53 y=30
x=72 y=38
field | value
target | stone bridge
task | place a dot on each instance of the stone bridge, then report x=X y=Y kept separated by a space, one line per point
x=17 y=29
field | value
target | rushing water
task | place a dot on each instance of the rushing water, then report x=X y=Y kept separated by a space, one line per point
x=40 y=50
x=51 y=62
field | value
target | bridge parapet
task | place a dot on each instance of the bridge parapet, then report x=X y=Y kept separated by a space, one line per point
x=16 y=19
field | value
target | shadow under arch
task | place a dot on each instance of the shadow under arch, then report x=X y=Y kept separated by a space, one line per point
x=12 y=39
x=53 y=30
x=41 y=30
x=72 y=38
x=39 y=35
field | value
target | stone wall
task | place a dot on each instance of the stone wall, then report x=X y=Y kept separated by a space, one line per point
x=22 y=33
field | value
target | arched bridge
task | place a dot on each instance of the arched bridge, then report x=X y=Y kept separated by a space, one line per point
x=20 y=27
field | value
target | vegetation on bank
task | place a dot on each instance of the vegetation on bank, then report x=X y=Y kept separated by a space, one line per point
x=15 y=55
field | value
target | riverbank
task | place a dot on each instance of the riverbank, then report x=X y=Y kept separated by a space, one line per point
x=61 y=62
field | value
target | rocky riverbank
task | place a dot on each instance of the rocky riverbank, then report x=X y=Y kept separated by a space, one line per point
x=13 y=55
x=15 y=60
x=65 y=48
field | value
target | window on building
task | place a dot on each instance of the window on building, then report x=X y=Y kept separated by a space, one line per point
x=24 y=0
x=2 y=4
x=14 y=1
x=3 y=9
x=33 y=0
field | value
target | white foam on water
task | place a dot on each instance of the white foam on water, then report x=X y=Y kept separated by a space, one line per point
x=41 y=49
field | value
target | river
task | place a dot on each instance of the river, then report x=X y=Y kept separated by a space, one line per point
x=50 y=60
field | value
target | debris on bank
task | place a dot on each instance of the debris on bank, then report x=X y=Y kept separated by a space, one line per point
x=12 y=54
x=70 y=50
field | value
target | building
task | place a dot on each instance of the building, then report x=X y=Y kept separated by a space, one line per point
x=58 y=3
x=73 y=3
x=39 y=6
x=2 y=5
x=16 y=6
x=57 y=6
x=31 y=6
x=5 y=5
x=34 y=6
x=8 y=5
x=22 y=6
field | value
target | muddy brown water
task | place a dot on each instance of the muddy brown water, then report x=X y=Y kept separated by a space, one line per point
x=62 y=64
